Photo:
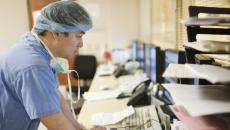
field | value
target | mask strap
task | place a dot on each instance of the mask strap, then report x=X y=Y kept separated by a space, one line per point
x=47 y=49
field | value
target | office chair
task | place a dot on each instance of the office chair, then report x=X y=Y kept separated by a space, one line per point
x=86 y=66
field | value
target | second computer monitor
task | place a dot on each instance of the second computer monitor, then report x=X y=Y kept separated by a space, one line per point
x=140 y=54
x=133 y=48
x=173 y=57
x=153 y=62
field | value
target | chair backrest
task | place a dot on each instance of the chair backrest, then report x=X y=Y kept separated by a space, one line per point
x=86 y=66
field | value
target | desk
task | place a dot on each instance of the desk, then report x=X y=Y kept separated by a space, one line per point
x=98 y=81
x=109 y=105
x=92 y=107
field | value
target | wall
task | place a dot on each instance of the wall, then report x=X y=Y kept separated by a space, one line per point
x=14 y=22
x=145 y=26
x=163 y=23
x=116 y=24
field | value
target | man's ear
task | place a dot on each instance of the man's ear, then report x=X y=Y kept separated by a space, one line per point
x=55 y=35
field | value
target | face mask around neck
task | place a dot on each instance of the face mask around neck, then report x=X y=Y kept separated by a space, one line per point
x=60 y=65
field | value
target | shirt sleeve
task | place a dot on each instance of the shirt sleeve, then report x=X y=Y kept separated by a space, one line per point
x=37 y=89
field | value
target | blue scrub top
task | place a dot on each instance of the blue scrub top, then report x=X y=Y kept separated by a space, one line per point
x=28 y=86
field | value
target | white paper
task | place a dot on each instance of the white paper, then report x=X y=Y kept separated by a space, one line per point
x=206 y=21
x=197 y=46
x=224 y=57
x=129 y=83
x=101 y=95
x=137 y=77
x=201 y=100
x=178 y=125
x=178 y=71
x=206 y=46
x=106 y=70
x=214 y=74
x=111 y=118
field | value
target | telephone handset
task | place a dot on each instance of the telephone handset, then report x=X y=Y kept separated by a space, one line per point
x=120 y=70
x=140 y=85
x=127 y=68
x=140 y=95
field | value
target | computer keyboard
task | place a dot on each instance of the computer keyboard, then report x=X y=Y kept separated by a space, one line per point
x=144 y=118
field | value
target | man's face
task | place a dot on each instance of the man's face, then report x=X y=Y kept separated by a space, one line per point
x=68 y=45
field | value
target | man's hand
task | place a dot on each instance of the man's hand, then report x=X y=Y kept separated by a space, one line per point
x=98 y=128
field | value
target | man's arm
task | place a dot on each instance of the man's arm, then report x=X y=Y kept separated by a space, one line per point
x=57 y=121
x=65 y=107
x=63 y=120
x=66 y=110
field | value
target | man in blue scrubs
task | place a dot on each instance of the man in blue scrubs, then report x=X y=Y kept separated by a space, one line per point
x=28 y=82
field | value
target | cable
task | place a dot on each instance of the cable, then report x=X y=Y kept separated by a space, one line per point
x=70 y=90
x=78 y=83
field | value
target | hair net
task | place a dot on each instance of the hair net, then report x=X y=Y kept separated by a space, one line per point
x=63 y=16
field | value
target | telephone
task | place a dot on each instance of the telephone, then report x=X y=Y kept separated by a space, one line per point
x=120 y=70
x=140 y=95
x=128 y=68
x=162 y=94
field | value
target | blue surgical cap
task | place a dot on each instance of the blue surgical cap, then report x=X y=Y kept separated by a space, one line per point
x=63 y=16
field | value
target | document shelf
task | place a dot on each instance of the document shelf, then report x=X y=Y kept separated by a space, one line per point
x=192 y=57
x=214 y=59
x=193 y=30
x=194 y=11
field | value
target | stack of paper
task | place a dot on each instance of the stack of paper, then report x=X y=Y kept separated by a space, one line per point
x=214 y=74
x=201 y=100
x=222 y=59
x=206 y=21
x=101 y=95
x=212 y=122
x=203 y=107
x=111 y=118
x=209 y=46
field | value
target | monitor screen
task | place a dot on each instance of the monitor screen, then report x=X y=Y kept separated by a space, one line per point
x=173 y=57
x=134 y=50
x=147 y=67
x=153 y=62
x=140 y=55
x=156 y=64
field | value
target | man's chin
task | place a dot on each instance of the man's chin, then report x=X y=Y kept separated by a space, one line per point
x=72 y=56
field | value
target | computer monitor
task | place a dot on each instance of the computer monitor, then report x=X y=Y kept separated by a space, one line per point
x=173 y=57
x=140 y=55
x=153 y=63
x=147 y=68
x=134 y=50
